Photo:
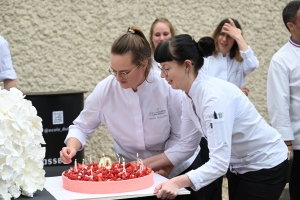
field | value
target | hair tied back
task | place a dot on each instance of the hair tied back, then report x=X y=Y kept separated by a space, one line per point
x=206 y=46
x=130 y=30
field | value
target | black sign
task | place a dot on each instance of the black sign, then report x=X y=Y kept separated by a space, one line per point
x=58 y=110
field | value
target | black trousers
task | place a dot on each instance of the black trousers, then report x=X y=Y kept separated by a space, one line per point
x=294 y=185
x=212 y=191
x=264 y=184
x=195 y=195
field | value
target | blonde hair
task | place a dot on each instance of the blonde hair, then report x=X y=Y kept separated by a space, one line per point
x=162 y=20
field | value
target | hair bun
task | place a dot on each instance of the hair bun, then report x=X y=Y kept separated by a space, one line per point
x=206 y=46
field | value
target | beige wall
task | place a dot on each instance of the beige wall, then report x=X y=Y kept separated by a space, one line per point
x=65 y=44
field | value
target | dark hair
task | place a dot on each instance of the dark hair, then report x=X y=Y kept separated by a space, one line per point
x=234 y=51
x=289 y=13
x=183 y=47
x=134 y=41
x=162 y=20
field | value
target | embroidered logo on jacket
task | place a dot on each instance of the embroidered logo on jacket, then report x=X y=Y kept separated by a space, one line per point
x=158 y=113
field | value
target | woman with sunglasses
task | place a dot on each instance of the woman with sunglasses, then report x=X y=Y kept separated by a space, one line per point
x=238 y=137
x=139 y=109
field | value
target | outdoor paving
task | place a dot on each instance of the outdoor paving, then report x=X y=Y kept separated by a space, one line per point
x=284 y=196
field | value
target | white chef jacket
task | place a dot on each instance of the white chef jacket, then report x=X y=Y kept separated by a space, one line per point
x=146 y=122
x=229 y=69
x=240 y=138
x=283 y=92
x=6 y=68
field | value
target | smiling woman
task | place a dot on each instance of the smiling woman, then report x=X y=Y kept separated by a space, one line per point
x=161 y=30
x=239 y=140
x=233 y=58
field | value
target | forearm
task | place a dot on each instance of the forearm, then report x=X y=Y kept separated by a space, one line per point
x=74 y=142
x=9 y=83
x=243 y=46
x=182 y=181
x=157 y=161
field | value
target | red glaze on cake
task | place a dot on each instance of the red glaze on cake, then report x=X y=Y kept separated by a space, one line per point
x=92 y=179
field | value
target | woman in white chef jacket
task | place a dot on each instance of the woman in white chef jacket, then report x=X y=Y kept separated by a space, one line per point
x=233 y=59
x=140 y=110
x=238 y=137
x=160 y=30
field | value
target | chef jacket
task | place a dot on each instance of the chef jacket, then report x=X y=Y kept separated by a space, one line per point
x=238 y=137
x=6 y=68
x=283 y=92
x=146 y=122
x=229 y=69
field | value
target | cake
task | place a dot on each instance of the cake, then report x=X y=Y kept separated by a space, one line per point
x=115 y=178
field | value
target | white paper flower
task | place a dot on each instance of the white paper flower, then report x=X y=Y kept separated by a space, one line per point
x=21 y=154
x=14 y=191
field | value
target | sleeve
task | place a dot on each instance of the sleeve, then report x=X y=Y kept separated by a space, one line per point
x=278 y=98
x=175 y=111
x=88 y=119
x=189 y=139
x=219 y=138
x=250 y=61
x=6 y=68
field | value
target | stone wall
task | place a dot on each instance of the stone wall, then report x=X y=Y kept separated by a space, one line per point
x=65 y=45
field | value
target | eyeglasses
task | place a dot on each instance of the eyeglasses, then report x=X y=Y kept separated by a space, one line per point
x=123 y=75
x=164 y=70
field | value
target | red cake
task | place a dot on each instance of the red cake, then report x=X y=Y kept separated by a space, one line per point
x=117 y=178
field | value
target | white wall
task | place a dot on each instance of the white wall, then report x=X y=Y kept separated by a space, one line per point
x=65 y=45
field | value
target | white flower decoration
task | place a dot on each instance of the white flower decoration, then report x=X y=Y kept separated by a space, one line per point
x=21 y=154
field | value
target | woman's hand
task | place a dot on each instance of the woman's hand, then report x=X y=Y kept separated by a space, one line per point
x=290 y=148
x=170 y=188
x=232 y=30
x=167 y=190
x=236 y=34
x=66 y=154
x=245 y=90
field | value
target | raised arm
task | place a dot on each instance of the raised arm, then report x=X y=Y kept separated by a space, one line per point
x=236 y=34
x=250 y=61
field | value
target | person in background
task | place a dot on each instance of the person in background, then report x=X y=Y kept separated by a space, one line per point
x=7 y=72
x=232 y=60
x=283 y=92
x=139 y=109
x=161 y=30
x=238 y=136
